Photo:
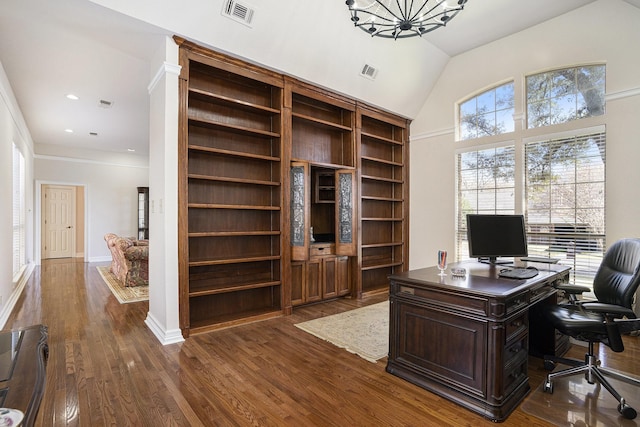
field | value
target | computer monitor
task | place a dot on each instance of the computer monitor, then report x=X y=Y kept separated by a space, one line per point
x=493 y=236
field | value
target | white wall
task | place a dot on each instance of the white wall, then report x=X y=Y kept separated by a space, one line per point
x=163 y=317
x=606 y=30
x=12 y=130
x=111 y=196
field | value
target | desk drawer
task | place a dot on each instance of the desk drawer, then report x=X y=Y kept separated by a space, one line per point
x=516 y=350
x=318 y=249
x=516 y=325
x=517 y=302
x=515 y=374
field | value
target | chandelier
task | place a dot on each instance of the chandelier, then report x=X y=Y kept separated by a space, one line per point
x=395 y=19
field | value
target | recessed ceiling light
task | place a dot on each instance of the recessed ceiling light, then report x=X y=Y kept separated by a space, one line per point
x=131 y=150
x=68 y=130
x=72 y=97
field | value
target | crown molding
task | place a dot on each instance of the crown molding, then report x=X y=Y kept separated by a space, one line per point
x=164 y=69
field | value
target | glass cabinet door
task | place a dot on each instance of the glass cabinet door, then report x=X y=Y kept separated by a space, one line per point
x=143 y=213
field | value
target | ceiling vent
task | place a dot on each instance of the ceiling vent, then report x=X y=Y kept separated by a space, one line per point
x=369 y=71
x=105 y=104
x=240 y=12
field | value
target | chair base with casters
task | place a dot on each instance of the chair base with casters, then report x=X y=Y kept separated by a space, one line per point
x=593 y=373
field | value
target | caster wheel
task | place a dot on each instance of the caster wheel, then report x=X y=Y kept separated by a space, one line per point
x=548 y=387
x=627 y=411
x=549 y=365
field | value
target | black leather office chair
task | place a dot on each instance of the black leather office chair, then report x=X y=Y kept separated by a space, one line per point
x=601 y=321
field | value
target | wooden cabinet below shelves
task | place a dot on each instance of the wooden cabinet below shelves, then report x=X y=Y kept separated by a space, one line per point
x=320 y=278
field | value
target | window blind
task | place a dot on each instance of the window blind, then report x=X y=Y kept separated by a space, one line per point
x=565 y=196
x=486 y=185
x=18 y=212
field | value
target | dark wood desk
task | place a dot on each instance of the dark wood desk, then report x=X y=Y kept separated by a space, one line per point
x=467 y=339
x=23 y=358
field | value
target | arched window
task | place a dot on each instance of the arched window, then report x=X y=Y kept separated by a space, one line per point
x=489 y=113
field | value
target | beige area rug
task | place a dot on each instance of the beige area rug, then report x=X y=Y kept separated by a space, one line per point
x=363 y=331
x=575 y=402
x=122 y=293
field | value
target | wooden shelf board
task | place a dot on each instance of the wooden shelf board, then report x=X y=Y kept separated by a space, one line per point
x=381 y=138
x=222 y=261
x=233 y=233
x=242 y=207
x=206 y=95
x=383 y=219
x=320 y=122
x=386 y=162
x=236 y=288
x=377 y=266
x=379 y=178
x=228 y=179
x=233 y=153
x=382 y=199
x=233 y=128
x=325 y=165
x=222 y=322
x=382 y=245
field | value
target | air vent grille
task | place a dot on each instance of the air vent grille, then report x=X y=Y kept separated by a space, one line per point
x=369 y=71
x=240 y=12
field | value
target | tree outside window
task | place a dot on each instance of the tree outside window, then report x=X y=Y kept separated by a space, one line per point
x=560 y=96
x=490 y=113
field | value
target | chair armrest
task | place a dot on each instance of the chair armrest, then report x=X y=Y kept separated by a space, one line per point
x=608 y=309
x=572 y=289
x=627 y=325
x=137 y=253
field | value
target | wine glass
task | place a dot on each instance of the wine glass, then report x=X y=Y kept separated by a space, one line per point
x=442 y=262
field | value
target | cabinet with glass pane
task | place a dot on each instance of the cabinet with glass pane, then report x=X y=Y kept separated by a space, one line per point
x=143 y=213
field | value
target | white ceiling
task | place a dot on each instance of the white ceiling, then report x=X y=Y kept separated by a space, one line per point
x=51 y=48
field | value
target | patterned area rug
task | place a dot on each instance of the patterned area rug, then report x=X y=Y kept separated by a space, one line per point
x=576 y=403
x=122 y=293
x=363 y=331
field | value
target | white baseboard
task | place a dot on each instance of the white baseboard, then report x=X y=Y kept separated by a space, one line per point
x=9 y=305
x=165 y=337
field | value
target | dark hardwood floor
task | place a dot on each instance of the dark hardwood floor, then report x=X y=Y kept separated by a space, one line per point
x=107 y=368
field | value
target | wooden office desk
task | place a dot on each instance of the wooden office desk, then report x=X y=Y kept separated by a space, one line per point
x=467 y=339
x=23 y=358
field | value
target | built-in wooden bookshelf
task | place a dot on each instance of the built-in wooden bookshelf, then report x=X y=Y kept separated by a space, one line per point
x=253 y=143
x=232 y=150
x=383 y=198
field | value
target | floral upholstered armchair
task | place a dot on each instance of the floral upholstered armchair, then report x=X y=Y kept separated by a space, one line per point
x=129 y=259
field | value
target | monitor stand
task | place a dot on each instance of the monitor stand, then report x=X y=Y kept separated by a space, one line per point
x=494 y=261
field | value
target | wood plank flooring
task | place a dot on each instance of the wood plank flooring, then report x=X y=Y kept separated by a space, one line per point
x=107 y=368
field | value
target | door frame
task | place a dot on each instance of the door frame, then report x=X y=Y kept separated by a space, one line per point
x=37 y=252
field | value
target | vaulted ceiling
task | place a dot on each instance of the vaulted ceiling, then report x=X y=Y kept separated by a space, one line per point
x=100 y=51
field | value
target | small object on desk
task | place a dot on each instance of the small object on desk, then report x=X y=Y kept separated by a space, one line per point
x=519 y=273
x=442 y=262
x=459 y=272
x=10 y=417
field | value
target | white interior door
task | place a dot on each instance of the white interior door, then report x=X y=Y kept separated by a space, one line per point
x=58 y=226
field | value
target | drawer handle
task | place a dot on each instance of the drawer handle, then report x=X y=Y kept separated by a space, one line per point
x=516 y=348
x=517 y=323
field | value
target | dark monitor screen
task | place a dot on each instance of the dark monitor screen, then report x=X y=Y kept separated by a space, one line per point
x=494 y=236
